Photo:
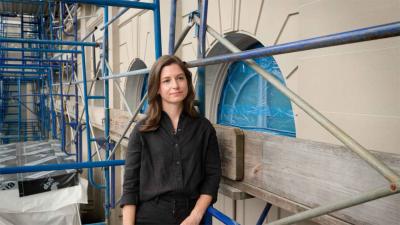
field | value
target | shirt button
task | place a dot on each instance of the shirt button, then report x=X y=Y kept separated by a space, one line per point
x=176 y=145
x=178 y=162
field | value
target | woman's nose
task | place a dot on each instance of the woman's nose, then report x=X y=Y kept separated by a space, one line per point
x=174 y=83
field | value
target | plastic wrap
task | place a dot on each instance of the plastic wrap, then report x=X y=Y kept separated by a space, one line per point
x=250 y=102
x=45 y=198
x=31 y=154
x=48 y=208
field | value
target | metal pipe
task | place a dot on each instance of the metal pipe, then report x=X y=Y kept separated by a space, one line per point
x=182 y=36
x=93 y=56
x=33 y=59
x=322 y=210
x=220 y=216
x=23 y=67
x=120 y=92
x=119 y=3
x=157 y=28
x=39 y=50
x=53 y=113
x=172 y=22
x=126 y=74
x=48 y=42
x=120 y=13
x=89 y=34
x=62 y=117
x=19 y=110
x=364 y=34
x=13 y=72
x=78 y=142
x=203 y=28
x=104 y=59
x=64 y=166
x=388 y=173
x=129 y=125
x=201 y=48
x=68 y=114
x=264 y=214
x=123 y=98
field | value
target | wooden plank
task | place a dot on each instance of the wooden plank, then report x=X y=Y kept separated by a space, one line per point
x=232 y=192
x=281 y=202
x=231 y=144
x=313 y=173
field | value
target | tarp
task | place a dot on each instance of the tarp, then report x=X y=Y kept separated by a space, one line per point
x=48 y=208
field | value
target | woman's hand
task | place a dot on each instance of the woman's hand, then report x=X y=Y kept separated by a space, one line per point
x=198 y=211
x=192 y=219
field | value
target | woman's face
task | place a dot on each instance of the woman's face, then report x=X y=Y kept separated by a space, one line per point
x=173 y=87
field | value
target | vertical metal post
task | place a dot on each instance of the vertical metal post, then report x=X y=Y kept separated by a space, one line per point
x=42 y=110
x=62 y=118
x=94 y=56
x=51 y=20
x=200 y=84
x=112 y=184
x=22 y=44
x=107 y=114
x=157 y=28
x=19 y=109
x=61 y=23
x=78 y=141
x=172 y=26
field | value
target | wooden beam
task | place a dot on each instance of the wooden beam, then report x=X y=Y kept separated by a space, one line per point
x=281 y=202
x=313 y=174
x=231 y=144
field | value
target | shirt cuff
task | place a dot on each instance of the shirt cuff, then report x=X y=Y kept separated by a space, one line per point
x=211 y=192
x=129 y=199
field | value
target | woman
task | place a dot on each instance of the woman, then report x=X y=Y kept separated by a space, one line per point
x=172 y=168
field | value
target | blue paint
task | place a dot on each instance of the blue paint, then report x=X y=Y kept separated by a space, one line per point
x=220 y=216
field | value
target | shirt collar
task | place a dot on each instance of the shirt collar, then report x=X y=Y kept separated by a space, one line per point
x=167 y=123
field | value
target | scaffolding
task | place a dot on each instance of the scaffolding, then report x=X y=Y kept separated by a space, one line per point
x=35 y=61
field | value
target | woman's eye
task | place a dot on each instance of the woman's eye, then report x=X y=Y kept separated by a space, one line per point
x=165 y=81
x=181 y=78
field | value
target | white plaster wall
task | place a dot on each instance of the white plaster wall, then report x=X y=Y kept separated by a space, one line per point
x=356 y=86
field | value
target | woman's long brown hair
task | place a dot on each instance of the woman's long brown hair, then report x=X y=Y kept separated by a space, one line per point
x=152 y=121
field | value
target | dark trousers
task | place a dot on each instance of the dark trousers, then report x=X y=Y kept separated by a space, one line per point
x=164 y=211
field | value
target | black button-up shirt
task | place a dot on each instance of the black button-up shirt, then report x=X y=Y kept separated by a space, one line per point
x=160 y=162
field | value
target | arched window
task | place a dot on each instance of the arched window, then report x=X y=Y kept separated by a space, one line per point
x=250 y=102
x=136 y=86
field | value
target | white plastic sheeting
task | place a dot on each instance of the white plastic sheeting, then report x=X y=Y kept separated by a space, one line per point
x=49 y=208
